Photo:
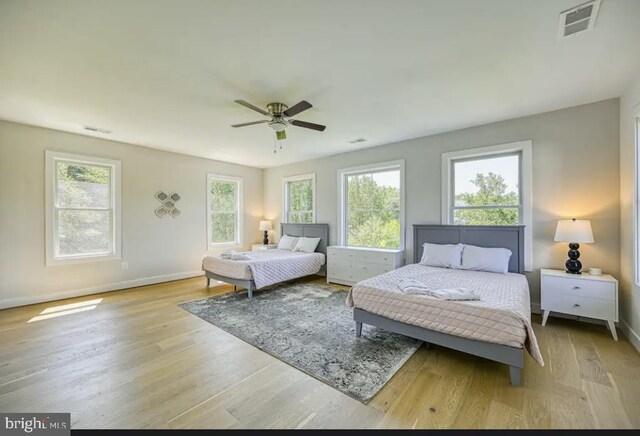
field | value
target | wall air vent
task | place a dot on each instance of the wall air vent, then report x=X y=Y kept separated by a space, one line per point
x=356 y=141
x=578 y=19
x=98 y=130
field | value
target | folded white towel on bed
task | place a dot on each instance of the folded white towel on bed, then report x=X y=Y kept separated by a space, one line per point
x=228 y=254
x=240 y=256
x=410 y=286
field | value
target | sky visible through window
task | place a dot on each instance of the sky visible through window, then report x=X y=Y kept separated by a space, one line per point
x=388 y=179
x=505 y=166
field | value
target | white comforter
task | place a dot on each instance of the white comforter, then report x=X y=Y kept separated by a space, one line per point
x=266 y=267
x=502 y=315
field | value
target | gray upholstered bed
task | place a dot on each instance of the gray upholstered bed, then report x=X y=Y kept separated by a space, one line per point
x=511 y=237
x=308 y=230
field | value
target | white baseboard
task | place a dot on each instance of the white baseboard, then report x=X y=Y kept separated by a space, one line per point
x=633 y=337
x=24 y=301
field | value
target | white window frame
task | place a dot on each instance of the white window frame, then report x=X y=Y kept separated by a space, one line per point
x=285 y=194
x=524 y=148
x=51 y=225
x=376 y=167
x=636 y=209
x=239 y=207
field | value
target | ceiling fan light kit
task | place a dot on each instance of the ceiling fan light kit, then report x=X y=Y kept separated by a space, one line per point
x=279 y=114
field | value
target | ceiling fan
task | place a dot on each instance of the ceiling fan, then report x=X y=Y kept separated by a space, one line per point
x=278 y=114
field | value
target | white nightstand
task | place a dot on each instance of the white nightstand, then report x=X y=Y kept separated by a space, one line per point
x=258 y=247
x=580 y=295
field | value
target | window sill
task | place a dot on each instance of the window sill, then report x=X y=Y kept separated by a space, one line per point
x=81 y=259
x=225 y=245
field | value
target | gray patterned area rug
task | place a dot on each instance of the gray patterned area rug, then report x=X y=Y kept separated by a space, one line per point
x=308 y=326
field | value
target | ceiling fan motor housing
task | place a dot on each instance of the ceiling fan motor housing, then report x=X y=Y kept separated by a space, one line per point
x=277 y=109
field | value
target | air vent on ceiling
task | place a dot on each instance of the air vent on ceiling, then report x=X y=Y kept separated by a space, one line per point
x=98 y=130
x=357 y=140
x=578 y=19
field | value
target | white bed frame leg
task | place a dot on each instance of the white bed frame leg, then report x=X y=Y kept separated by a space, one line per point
x=250 y=292
x=358 y=329
x=515 y=374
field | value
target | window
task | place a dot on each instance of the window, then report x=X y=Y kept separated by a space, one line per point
x=372 y=205
x=224 y=216
x=489 y=186
x=637 y=206
x=83 y=208
x=486 y=190
x=300 y=199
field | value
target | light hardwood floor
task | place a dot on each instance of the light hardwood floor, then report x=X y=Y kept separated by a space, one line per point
x=133 y=358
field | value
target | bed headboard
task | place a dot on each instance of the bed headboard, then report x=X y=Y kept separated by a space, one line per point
x=310 y=231
x=511 y=237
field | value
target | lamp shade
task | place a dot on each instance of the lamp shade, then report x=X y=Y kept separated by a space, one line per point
x=574 y=231
x=265 y=225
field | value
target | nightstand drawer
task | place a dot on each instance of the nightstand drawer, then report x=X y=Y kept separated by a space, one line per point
x=376 y=257
x=579 y=288
x=579 y=305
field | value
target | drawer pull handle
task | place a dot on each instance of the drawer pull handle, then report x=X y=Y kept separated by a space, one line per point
x=576 y=305
x=576 y=287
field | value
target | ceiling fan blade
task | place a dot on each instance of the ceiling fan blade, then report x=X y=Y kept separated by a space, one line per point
x=306 y=125
x=252 y=107
x=297 y=108
x=249 y=124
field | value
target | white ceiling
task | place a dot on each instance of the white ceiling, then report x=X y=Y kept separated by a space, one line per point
x=164 y=74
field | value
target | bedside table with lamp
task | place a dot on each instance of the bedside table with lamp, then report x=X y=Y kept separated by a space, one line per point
x=265 y=226
x=593 y=295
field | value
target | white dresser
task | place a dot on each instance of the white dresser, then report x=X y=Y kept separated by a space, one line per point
x=580 y=295
x=349 y=265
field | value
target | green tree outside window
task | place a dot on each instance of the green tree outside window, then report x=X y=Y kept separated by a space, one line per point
x=492 y=191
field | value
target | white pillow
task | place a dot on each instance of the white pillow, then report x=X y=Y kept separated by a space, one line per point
x=287 y=242
x=307 y=245
x=442 y=255
x=486 y=259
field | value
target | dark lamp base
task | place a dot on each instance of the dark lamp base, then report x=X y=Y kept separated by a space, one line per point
x=573 y=264
x=265 y=241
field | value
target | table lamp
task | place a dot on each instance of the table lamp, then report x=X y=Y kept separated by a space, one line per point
x=265 y=226
x=574 y=232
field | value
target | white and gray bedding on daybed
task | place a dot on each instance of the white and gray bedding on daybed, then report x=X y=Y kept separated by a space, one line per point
x=496 y=326
x=267 y=267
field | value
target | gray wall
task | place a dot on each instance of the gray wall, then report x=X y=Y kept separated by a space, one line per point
x=630 y=291
x=156 y=249
x=575 y=174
